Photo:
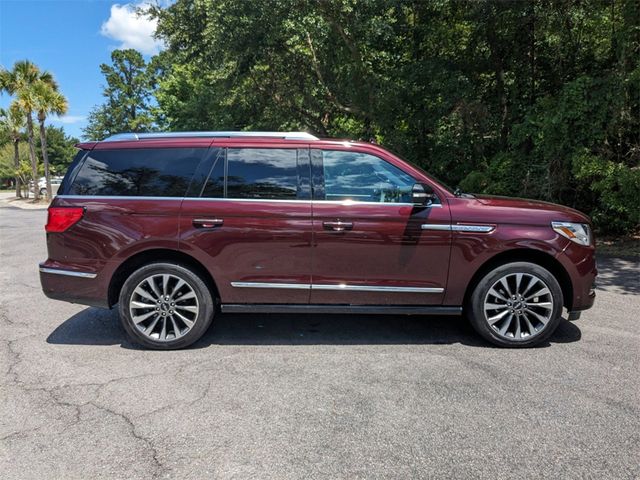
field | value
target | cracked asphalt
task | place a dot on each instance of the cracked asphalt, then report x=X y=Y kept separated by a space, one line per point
x=306 y=397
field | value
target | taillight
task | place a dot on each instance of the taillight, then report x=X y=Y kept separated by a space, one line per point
x=61 y=218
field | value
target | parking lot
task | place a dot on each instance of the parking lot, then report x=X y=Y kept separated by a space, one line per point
x=304 y=397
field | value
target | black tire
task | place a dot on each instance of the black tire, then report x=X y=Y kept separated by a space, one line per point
x=201 y=320
x=475 y=310
x=43 y=192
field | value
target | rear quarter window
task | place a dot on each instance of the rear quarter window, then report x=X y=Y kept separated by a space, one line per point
x=163 y=172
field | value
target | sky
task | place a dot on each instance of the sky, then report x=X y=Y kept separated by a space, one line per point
x=71 y=38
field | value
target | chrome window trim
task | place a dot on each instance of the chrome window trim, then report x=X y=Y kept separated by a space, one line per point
x=346 y=203
x=117 y=197
x=69 y=273
x=337 y=287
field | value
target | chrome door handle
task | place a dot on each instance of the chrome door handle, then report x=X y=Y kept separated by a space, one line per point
x=337 y=226
x=207 y=222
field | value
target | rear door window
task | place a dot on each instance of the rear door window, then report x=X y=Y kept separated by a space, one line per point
x=262 y=173
x=143 y=172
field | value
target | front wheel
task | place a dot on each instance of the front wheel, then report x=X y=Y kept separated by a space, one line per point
x=165 y=306
x=516 y=305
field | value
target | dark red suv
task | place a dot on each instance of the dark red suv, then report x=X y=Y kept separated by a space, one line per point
x=174 y=227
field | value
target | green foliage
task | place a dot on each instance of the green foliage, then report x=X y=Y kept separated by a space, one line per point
x=128 y=106
x=617 y=189
x=60 y=149
x=498 y=97
x=7 y=168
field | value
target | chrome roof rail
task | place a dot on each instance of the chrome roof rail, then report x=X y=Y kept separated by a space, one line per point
x=151 y=135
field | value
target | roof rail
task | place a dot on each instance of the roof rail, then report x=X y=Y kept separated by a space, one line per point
x=143 y=136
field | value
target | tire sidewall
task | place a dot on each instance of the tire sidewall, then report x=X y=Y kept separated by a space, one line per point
x=202 y=291
x=475 y=308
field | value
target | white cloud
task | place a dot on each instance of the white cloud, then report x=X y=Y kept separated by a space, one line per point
x=68 y=119
x=132 y=29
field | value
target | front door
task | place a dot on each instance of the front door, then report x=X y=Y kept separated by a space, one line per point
x=372 y=246
x=249 y=222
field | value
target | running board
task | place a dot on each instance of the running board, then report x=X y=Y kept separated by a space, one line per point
x=362 y=309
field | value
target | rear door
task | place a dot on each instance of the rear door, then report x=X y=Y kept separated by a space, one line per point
x=248 y=219
x=372 y=246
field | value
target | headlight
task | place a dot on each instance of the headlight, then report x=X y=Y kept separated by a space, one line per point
x=576 y=232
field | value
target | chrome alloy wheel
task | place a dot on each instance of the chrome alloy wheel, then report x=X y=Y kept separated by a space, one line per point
x=518 y=306
x=164 y=307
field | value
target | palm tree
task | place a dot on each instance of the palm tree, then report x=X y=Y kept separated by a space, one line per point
x=12 y=122
x=21 y=82
x=48 y=100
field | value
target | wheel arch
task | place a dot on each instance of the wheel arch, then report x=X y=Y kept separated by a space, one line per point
x=156 y=255
x=537 y=257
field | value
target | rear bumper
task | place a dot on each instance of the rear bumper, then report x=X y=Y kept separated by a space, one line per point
x=71 y=284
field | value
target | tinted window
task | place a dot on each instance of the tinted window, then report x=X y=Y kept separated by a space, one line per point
x=208 y=181
x=137 y=172
x=364 y=178
x=262 y=173
x=72 y=170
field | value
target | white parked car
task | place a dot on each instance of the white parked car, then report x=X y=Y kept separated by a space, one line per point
x=42 y=185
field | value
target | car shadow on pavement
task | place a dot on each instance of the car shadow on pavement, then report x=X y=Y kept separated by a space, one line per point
x=94 y=326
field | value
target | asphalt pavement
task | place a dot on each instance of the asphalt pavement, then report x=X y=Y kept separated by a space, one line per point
x=310 y=396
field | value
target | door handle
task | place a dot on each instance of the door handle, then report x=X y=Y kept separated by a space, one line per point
x=207 y=222
x=337 y=226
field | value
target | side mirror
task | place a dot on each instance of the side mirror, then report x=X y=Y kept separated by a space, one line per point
x=422 y=195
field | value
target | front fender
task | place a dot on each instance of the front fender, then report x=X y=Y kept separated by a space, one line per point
x=470 y=251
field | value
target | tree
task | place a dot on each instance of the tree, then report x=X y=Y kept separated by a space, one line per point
x=540 y=100
x=128 y=92
x=21 y=82
x=12 y=123
x=60 y=149
x=48 y=100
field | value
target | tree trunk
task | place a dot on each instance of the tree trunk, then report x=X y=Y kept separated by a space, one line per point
x=34 y=159
x=45 y=157
x=16 y=164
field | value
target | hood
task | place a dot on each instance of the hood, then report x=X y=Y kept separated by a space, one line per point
x=497 y=209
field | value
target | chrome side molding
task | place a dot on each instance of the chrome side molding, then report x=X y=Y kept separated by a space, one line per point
x=375 y=288
x=296 y=286
x=436 y=226
x=337 y=287
x=68 y=273
x=459 y=228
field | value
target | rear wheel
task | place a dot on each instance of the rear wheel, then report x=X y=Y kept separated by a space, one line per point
x=165 y=306
x=516 y=305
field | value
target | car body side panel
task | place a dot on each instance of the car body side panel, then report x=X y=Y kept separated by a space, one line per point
x=471 y=250
x=386 y=247
x=258 y=242
x=111 y=231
